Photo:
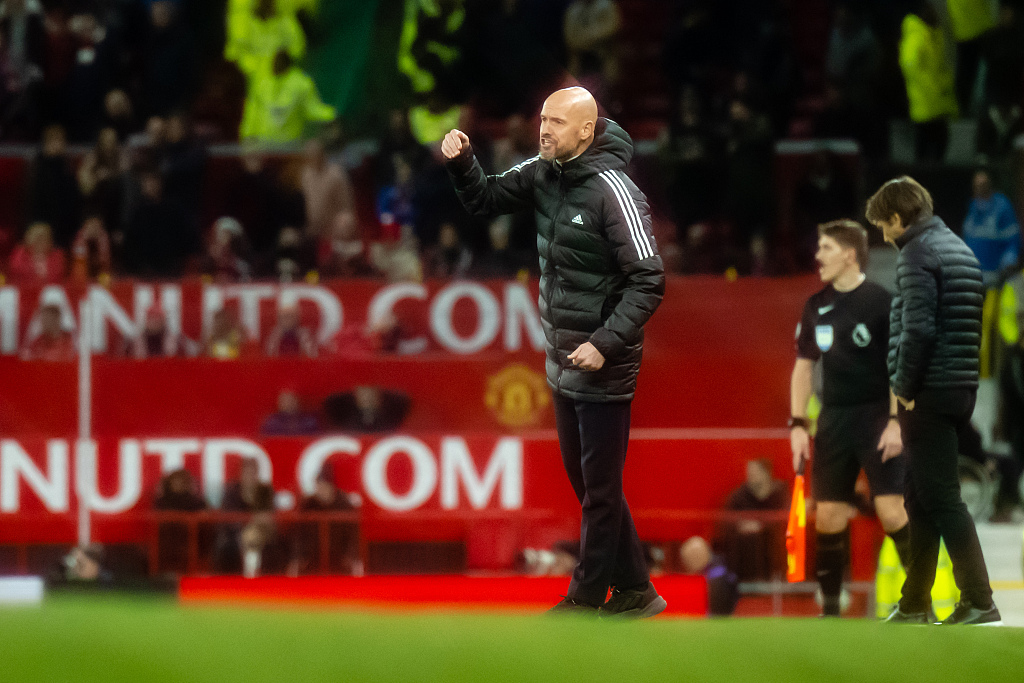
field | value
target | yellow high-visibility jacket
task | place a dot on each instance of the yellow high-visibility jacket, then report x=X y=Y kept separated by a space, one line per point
x=279 y=107
x=252 y=42
x=970 y=18
x=1011 y=309
x=422 y=80
x=927 y=72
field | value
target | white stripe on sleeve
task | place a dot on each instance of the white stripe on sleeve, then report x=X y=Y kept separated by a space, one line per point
x=638 y=221
x=519 y=167
x=630 y=214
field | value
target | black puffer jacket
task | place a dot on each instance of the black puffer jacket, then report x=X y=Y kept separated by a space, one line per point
x=935 y=319
x=601 y=275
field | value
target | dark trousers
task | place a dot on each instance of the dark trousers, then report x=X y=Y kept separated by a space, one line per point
x=593 y=439
x=933 y=500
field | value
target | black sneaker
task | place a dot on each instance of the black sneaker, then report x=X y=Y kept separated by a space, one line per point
x=898 y=616
x=634 y=603
x=571 y=607
x=966 y=614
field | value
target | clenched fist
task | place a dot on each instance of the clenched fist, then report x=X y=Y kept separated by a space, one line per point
x=454 y=143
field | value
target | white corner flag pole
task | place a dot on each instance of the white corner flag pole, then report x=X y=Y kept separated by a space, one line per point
x=84 y=464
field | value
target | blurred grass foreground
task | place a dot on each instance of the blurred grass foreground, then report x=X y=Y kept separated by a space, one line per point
x=85 y=638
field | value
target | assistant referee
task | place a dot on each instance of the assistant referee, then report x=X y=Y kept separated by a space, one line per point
x=845 y=326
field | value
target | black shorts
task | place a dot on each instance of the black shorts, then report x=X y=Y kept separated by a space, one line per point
x=846 y=442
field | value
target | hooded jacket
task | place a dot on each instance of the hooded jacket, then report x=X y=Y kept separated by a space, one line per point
x=935 y=319
x=601 y=275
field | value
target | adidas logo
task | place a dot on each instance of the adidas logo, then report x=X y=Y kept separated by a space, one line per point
x=578 y=220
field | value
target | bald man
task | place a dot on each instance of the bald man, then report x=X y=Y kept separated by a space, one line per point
x=601 y=280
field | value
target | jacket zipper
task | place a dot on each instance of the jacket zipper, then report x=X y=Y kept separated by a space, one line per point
x=554 y=226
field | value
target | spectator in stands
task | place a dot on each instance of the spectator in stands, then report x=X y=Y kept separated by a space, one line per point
x=343 y=536
x=367 y=409
x=178 y=491
x=101 y=178
x=53 y=343
x=22 y=55
x=429 y=49
x=228 y=255
x=450 y=258
x=36 y=261
x=281 y=103
x=753 y=547
x=853 y=54
x=293 y=258
x=85 y=564
x=1001 y=120
x=160 y=239
x=500 y=261
x=749 y=155
x=969 y=21
x=590 y=30
x=157 y=340
x=169 y=69
x=852 y=92
x=242 y=546
x=256 y=199
x=723 y=586
x=92 y=75
x=290 y=419
x=226 y=340
x=53 y=193
x=342 y=252
x=119 y=114
x=396 y=202
x=929 y=80
x=290 y=338
x=397 y=139
x=90 y=252
x=257 y=31
x=326 y=189
x=559 y=560
x=183 y=166
x=690 y=153
x=147 y=147
x=991 y=229
x=1011 y=386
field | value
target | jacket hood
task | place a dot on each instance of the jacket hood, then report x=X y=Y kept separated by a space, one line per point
x=918 y=229
x=612 y=149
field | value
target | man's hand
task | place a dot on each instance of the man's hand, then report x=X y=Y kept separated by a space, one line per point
x=587 y=357
x=891 y=443
x=909 y=405
x=800 y=442
x=454 y=143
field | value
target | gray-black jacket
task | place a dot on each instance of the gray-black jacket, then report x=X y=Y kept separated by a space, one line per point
x=935 y=319
x=601 y=275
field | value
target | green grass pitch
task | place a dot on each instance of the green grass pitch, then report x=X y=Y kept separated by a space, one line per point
x=93 y=638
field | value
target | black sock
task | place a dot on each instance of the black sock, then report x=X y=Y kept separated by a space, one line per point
x=830 y=554
x=901 y=537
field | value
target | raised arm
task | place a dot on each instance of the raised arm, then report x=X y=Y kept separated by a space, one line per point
x=482 y=195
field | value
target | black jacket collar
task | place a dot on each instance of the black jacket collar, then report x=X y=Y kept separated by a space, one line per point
x=918 y=229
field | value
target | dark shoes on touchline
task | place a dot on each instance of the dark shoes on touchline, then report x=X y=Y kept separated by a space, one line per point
x=634 y=603
x=629 y=603
x=965 y=614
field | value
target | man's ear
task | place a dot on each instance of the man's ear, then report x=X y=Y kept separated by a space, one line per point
x=896 y=221
x=587 y=131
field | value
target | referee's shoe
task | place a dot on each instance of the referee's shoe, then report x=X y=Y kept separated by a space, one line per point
x=966 y=614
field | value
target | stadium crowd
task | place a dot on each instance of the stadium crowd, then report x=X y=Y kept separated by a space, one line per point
x=127 y=102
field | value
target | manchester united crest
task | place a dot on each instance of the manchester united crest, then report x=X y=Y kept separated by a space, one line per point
x=517 y=396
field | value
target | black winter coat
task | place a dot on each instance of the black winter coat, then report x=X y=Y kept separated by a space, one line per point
x=601 y=275
x=935 y=319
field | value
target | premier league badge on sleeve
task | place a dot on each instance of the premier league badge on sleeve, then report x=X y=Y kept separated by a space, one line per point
x=824 y=335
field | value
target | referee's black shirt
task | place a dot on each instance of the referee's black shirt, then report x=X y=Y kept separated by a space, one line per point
x=849 y=333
